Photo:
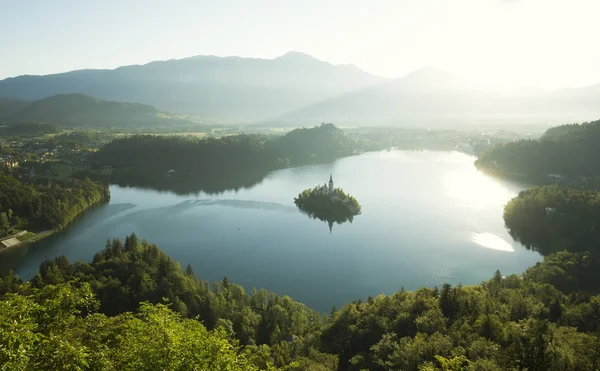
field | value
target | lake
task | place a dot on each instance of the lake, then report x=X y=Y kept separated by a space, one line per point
x=427 y=218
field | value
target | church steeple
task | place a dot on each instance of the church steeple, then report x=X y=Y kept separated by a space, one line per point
x=330 y=183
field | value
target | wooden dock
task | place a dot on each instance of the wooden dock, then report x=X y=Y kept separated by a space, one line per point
x=11 y=241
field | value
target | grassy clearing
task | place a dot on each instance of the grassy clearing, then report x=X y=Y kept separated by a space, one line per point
x=26 y=236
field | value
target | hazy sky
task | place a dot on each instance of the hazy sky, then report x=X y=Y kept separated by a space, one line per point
x=545 y=43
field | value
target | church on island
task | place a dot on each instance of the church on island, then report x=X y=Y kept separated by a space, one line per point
x=327 y=190
x=326 y=198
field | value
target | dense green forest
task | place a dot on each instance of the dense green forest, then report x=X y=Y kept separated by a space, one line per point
x=45 y=205
x=563 y=224
x=57 y=328
x=190 y=164
x=555 y=218
x=506 y=323
x=275 y=329
x=570 y=150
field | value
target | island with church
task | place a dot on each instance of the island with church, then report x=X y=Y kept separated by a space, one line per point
x=328 y=203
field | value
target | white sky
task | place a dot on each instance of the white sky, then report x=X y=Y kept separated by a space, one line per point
x=543 y=43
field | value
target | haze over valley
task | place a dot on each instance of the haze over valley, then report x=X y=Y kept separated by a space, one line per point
x=296 y=89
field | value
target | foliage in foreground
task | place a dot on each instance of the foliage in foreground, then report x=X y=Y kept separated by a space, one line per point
x=125 y=274
x=507 y=323
x=56 y=328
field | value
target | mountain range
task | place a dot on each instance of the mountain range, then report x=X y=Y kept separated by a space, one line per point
x=431 y=97
x=234 y=88
x=297 y=89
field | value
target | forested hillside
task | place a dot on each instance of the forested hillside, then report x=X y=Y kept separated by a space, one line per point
x=215 y=164
x=318 y=144
x=564 y=224
x=10 y=106
x=47 y=205
x=83 y=111
x=555 y=218
x=570 y=150
x=28 y=129
x=506 y=323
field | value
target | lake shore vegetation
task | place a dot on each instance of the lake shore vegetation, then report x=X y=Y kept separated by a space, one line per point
x=45 y=206
x=564 y=154
x=181 y=163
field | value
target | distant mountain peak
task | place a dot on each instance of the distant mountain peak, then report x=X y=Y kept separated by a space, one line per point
x=294 y=55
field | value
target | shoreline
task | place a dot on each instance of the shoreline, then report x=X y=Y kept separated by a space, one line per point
x=38 y=236
x=49 y=232
x=578 y=181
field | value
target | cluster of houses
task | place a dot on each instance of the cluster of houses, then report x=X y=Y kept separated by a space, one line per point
x=40 y=152
x=9 y=161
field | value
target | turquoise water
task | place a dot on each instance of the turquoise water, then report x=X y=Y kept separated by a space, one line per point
x=428 y=218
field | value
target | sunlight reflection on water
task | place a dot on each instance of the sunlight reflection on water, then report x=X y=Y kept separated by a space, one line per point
x=475 y=189
x=491 y=241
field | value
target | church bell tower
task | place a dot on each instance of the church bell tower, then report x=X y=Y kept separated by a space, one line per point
x=330 y=183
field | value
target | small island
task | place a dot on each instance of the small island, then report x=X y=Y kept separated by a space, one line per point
x=328 y=204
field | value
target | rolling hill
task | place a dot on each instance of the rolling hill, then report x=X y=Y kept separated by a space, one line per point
x=234 y=88
x=80 y=110
x=10 y=107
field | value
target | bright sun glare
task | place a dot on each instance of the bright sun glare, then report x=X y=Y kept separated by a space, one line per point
x=476 y=190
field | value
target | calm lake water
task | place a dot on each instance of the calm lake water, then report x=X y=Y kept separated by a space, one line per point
x=428 y=218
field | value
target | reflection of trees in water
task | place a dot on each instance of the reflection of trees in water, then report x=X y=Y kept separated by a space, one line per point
x=184 y=184
x=547 y=242
x=329 y=217
x=529 y=241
